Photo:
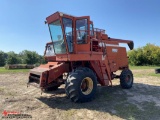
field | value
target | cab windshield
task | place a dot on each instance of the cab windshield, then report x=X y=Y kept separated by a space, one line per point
x=57 y=37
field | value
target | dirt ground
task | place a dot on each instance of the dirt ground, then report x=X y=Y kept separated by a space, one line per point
x=141 y=102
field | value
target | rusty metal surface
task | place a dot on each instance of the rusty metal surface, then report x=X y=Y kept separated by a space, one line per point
x=48 y=73
x=38 y=70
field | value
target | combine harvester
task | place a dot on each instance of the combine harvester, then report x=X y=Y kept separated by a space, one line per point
x=80 y=56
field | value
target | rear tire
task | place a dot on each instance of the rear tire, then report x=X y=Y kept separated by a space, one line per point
x=126 y=79
x=81 y=85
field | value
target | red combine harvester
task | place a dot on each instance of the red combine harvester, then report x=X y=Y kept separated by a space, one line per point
x=80 y=56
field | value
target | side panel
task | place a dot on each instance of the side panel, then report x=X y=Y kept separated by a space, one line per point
x=85 y=57
x=122 y=58
x=83 y=47
x=117 y=57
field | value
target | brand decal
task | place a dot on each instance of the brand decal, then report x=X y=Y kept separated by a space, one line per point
x=114 y=50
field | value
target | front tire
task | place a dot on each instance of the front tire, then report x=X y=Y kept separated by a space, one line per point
x=126 y=79
x=81 y=85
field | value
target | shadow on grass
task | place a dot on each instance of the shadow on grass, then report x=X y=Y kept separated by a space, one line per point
x=114 y=101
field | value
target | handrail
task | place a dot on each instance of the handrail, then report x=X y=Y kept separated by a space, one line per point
x=99 y=30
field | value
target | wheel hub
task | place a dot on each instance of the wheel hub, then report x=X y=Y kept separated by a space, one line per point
x=87 y=86
x=128 y=79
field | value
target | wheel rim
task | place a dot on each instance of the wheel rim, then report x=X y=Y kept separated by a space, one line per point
x=128 y=79
x=87 y=86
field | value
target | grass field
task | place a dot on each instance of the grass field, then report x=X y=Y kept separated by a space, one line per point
x=143 y=67
x=145 y=71
x=141 y=102
x=3 y=70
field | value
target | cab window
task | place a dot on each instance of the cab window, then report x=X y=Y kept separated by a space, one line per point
x=82 y=31
x=91 y=30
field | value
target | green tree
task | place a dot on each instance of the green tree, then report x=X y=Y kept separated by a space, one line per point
x=147 y=55
x=29 y=57
x=42 y=60
x=3 y=57
x=12 y=58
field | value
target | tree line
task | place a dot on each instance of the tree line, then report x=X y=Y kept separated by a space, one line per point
x=146 y=55
x=24 y=57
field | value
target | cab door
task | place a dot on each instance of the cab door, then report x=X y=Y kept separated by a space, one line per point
x=68 y=32
x=82 y=34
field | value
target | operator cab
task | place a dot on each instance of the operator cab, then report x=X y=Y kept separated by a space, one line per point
x=69 y=34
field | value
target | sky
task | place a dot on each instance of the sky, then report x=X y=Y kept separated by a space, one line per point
x=22 y=21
